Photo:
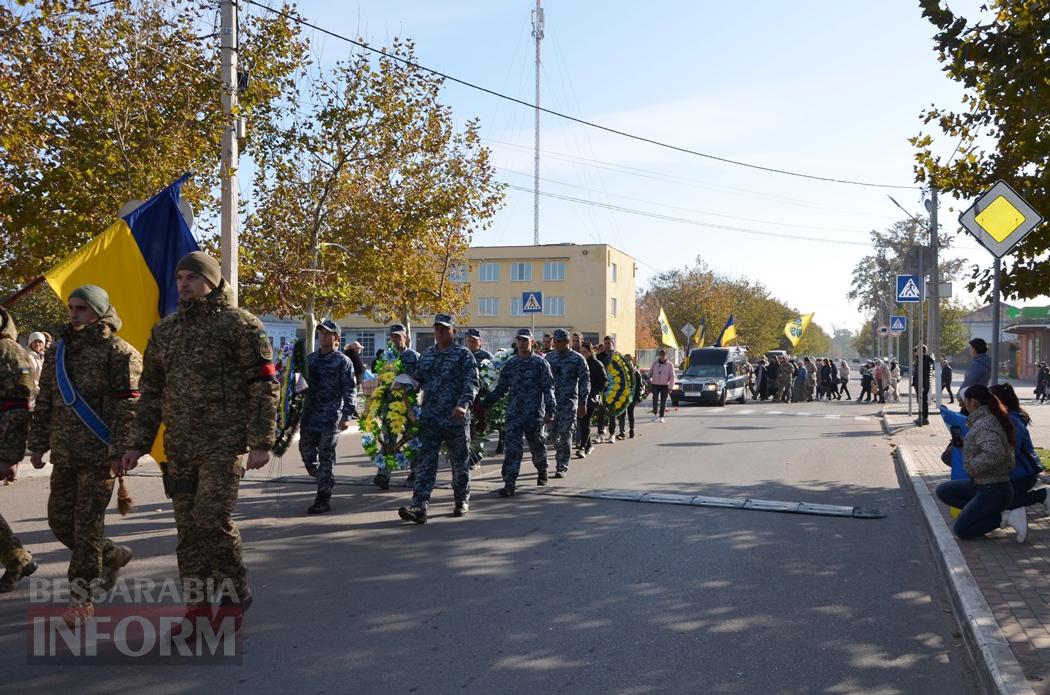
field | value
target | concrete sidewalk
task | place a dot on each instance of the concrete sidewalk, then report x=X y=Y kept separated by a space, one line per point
x=1001 y=588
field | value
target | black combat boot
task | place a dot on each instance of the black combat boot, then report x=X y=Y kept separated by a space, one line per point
x=541 y=478
x=506 y=491
x=414 y=513
x=461 y=508
x=320 y=505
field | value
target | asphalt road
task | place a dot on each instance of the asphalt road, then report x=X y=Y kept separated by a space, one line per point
x=548 y=593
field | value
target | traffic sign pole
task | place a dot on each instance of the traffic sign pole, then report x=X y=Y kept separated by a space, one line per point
x=935 y=297
x=911 y=343
x=997 y=268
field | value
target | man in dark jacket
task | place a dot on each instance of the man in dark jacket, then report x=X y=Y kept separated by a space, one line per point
x=946 y=378
x=598 y=379
x=327 y=411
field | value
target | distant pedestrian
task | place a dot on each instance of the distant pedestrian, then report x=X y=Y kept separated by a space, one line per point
x=661 y=379
x=35 y=349
x=844 y=379
x=598 y=379
x=979 y=371
x=946 y=378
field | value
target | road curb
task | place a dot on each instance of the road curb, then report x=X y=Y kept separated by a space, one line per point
x=998 y=668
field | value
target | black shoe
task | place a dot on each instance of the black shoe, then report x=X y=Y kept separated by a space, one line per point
x=588 y=449
x=621 y=436
x=320 y=505
x=506 y=491
x=461 y=509
x=631 y=435
x=560 y=474
x=381 y=482
x=410 y=478
x=580 y=454
x=541 y=478
x=10 y=578
x=413 y=513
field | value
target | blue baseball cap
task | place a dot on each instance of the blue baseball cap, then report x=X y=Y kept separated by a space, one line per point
x=561 y=334
x=473 y=333
x=524 y=333
x=330 y=326
x=444 y=320
x=397 y=328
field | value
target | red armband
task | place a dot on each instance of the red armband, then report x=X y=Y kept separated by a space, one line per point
x=127 y=394
x=267 y=370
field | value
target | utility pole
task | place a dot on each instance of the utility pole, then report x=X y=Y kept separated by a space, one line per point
x=537 y=33
x=920 y=361
x=935 y=297
x=228 y=45
x=997 y=270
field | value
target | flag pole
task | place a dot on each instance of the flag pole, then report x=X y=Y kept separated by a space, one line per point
x=10 y=301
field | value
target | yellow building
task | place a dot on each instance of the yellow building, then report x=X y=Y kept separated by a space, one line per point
x=586 y=288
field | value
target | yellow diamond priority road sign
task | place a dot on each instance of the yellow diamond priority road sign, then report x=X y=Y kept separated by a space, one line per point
x=1000 y=219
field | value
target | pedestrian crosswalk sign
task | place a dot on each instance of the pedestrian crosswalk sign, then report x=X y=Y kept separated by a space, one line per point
x=909 y=288
x=531 y=302
x=898 y=324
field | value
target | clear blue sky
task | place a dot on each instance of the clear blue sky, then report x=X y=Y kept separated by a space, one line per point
x=832 y=88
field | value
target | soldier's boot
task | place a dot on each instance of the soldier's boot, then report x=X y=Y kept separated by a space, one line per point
x=311 y=469
x=11 y=577
x=231 y=607
x=111 y=569
x=77 y=613
x=631 y=434
x=461 y=508
x=414 y=513
x=320 y=505
x=411 y=478
x=381 y=482
x=506 y=491
x=541 y=478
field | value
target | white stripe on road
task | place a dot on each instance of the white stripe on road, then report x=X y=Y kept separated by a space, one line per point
x=862 y=418
x=803 y=414
x=744 y=412
x=832 y=417
x=775 y=412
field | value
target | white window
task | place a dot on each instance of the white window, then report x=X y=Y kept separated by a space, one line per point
x=488 y=306
x=614 y=278
x=488 y=272
x=553 y=270
x=554 y=306
x=515 y=307
x=612 y=307
x=521 y=272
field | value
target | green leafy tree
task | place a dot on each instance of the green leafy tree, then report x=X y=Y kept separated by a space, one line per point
x=1004 y=133
x=104 y=104
x=368 y=202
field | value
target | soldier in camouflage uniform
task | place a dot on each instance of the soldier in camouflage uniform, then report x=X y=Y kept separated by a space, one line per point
x=409 y=361
x=17 y=388
x=104 y=370
x=448 y=375
x=477 y=423
x=785 y=377
x=328 y=409
x=527 y=377
x=572 y=385
x=208 y=376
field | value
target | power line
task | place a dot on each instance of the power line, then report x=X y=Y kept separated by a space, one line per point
x=684 y=220
x=558 y=114
x=685 y=209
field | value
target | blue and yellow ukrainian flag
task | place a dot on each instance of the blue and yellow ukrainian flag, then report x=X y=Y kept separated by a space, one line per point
x=728 y=333
x=134 y=261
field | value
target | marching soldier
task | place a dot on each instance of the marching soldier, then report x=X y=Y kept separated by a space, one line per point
x=83 y=412
x=785 y=377
x=328 y=409
x=409 y=362
x=473 y=342
x=531 y=405
x=572 y=385
x=477 y=422
x=448 y=375
x=17 y=388
x=208 y=375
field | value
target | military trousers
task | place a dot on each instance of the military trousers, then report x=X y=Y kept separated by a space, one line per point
x=455 y=438
x=14 y=428
x=562 y=430
x=209 y=545
x=76 y=513
x=317 y=449
x=532 y=430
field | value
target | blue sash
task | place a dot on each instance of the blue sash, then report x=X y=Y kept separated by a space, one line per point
x=72 y=399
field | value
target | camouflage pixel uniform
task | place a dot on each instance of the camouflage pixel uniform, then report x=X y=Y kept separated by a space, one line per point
x=531 y=388
x=329 y=401
x=16 y=389
x=785 y=378
x=449 y=378
x=572 y=385
x=409 y=364
x=105 y=371
x=208 y=376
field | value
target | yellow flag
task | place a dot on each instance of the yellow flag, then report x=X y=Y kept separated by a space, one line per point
x=796 y=327
x=666 y=334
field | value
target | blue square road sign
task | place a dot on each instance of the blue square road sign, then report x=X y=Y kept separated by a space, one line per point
x=909 y=289
x=532 y=302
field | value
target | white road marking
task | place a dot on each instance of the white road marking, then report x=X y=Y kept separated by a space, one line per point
x=862 y=418
x=743 y=412
x=832 y=417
